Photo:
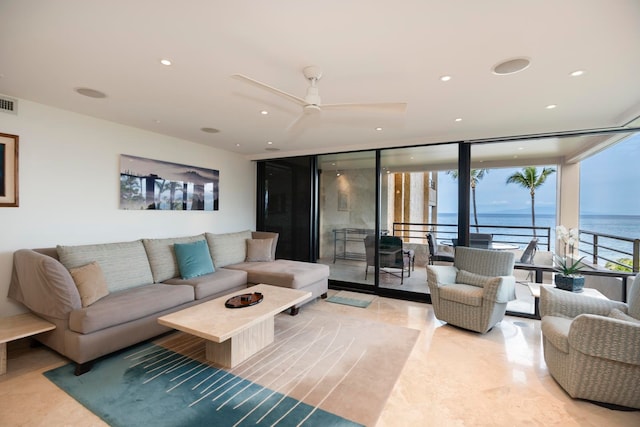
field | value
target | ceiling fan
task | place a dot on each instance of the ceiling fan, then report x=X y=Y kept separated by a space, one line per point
x=311 y=103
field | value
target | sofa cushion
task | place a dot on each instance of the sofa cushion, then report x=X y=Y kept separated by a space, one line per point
x=259 y=250
x=162 y=257
x=285 y=273
x=90 y=282
x=228 y=248
x=128 y=305
x=463 y=294
x=193 y=259
x=222 y=281
x=124 y=264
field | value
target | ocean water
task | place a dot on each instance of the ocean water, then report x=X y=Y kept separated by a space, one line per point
x=626 y=226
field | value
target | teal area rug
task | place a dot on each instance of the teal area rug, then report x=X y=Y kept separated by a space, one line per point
x=354 y=299
x=323 y=369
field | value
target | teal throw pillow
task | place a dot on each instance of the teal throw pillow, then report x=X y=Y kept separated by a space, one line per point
x=193 y=259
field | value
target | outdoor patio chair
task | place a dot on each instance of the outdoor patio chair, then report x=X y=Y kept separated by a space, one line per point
x=592 y=345
x=473 y=293
x=391 y=255
x=434 y=254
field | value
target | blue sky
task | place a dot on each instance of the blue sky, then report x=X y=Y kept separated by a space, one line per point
x=609 y=185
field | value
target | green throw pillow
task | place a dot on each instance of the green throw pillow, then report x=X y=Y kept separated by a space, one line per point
x=193 y=259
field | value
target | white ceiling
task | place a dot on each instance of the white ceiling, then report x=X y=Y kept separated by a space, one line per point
x=369 y=50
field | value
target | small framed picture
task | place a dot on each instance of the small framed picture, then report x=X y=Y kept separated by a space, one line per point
x=8 y=170
x=343 y=200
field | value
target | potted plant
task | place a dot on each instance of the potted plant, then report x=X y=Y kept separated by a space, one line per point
x=568 y=277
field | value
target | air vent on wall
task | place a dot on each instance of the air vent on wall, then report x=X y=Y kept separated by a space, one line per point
x=8 y=105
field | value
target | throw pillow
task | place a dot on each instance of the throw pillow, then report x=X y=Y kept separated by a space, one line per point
x=621 y=315
x=468 y=278
x=90 y=281
x=193 y=259
x=259 y=250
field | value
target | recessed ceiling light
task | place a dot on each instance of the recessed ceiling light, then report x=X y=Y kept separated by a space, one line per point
x=550 y=106
x=445 y=78
x=459 y=119
x=165 y=61
x=577 y=73
x=210 y=130
x=378 y=129
x=511 y=66
x=237 y=145
x=91 y=93
x=520 y=148
x=264 y=112
x=270 y=142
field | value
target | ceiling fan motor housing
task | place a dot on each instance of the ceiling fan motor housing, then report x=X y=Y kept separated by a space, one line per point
x=312 y=97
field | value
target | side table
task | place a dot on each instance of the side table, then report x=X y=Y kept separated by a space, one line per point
x=16 y=327
x=534 y=288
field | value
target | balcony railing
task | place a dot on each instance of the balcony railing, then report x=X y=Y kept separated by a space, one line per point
x=514 y=234
x=605 y=247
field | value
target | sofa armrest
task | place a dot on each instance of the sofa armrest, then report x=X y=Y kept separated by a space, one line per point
x=556 y=302
x=43 y=284
x=606 y=338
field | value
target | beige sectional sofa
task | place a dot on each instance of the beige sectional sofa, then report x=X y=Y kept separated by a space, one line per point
x=141 y=282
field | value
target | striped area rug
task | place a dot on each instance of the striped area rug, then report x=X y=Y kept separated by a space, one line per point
x=324 y=369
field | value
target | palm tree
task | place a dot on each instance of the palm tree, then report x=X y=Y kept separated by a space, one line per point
x=476 y=175
x=528 y=178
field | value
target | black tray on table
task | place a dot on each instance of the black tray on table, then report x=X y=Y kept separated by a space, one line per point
x=244 y=300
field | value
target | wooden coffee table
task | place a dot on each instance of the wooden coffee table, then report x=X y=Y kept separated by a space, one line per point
x=234 y=334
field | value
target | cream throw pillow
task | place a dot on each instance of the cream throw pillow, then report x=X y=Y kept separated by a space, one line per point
x=259 y=250
x=90 y=282
x=620 y=315
x=468 y=278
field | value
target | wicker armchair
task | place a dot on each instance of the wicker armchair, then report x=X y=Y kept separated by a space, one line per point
x=473 y=293
x=592 y=345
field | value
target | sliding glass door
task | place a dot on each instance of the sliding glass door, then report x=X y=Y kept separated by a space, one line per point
x=347 y=216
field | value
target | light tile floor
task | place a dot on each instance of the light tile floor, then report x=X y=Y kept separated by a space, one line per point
x=452 y=378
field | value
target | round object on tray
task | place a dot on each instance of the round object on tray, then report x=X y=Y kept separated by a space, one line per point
x=244 y=300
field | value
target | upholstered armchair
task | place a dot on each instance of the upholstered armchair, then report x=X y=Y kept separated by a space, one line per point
x=592 y=345
x=473 y=293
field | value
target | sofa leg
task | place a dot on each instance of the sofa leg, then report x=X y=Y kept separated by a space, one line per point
x=294 y=311
x=324 y=296
x=83 y=368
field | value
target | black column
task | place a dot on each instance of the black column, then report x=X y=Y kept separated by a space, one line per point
x=464 y=192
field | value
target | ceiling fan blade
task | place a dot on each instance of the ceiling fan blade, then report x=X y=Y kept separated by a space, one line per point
x=391 y=107
x=261 y=85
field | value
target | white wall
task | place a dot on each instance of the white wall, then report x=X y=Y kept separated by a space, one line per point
x=69 y=186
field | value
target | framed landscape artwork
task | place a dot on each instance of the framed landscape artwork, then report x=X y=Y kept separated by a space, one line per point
x=159 y=185
x=8 y=170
